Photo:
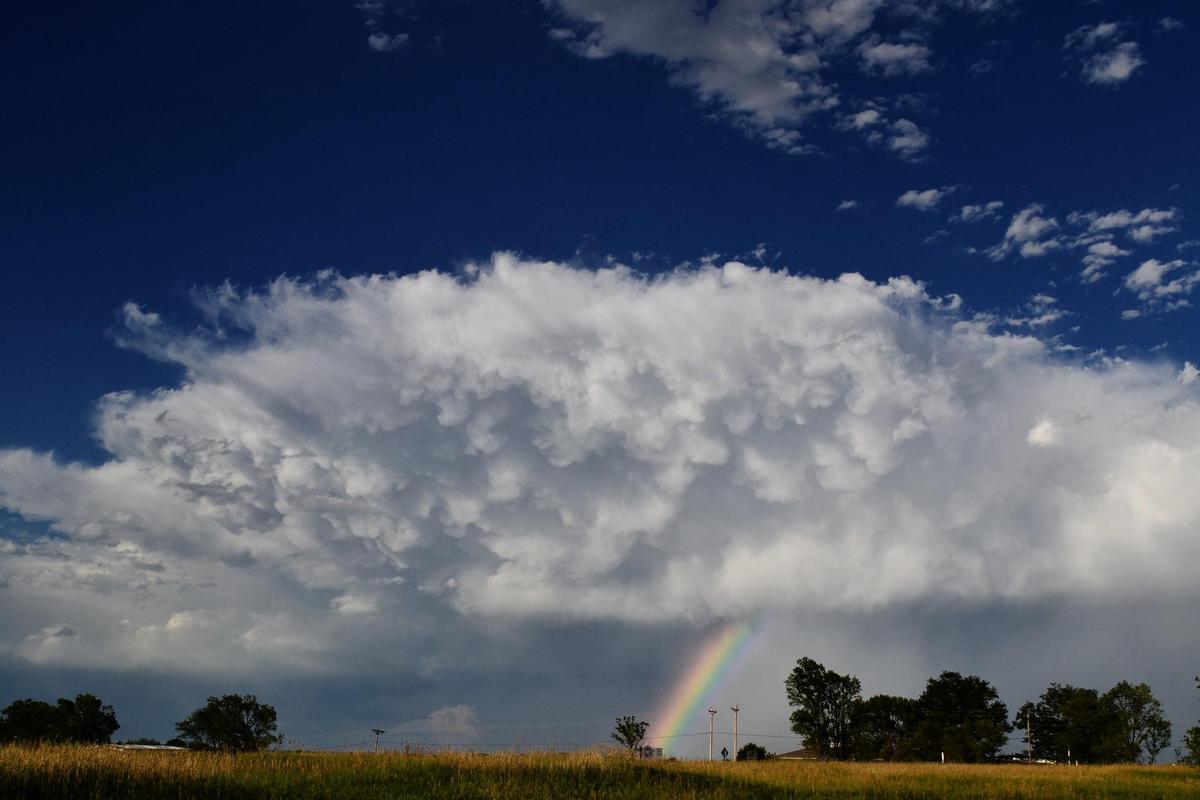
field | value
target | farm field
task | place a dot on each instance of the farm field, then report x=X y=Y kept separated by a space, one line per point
x=98 y=772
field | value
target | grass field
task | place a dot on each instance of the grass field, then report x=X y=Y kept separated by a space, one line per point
x=99 y=772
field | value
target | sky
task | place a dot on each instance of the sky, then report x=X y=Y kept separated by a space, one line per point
x=464 y=368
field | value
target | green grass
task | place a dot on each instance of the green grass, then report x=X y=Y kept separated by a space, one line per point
x=100 y=773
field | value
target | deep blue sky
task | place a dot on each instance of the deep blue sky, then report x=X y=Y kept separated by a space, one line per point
x=156 y=147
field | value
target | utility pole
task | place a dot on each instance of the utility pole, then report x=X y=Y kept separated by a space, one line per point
x=712 y=718
x=735 y=710
x=377 y=733
x=1029 y=737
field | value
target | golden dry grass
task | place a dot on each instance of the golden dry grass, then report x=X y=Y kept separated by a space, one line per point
x=92 y=773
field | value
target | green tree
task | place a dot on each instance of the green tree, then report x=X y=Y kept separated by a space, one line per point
x=753 y=752
x=881 y=728
x=961 y=716
x=233 y=722
x=1069 y=723
x=824 y=703
x=630 y=732
x=1140 y=730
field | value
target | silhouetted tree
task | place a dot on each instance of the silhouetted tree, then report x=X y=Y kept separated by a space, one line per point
x=30 y=721
x=87 y=719
x=1191 y=740
x=961 y=716
x=753 y=752
x=882 y=728
x=824 y=702
x=233 y=722
x=1141 y=731
x=630 y=732
x=84 y=719
x=1069 y=722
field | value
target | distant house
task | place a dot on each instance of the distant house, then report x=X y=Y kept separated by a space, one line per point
x=803 y=754
x=651 y=752
x=146 y=747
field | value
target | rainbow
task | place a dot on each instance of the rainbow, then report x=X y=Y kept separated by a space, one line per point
x=714 y=663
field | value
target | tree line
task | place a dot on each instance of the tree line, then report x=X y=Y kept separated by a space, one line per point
x=961 y=718
x=233 y=722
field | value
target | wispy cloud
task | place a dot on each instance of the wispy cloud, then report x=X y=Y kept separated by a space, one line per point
x=764 y=65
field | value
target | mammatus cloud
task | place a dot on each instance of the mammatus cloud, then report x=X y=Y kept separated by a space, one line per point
x=351 y=461
x=1099 y=56
x=765 y=64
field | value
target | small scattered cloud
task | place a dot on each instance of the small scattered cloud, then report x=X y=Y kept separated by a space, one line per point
x=1040 y=310
x=981 y=67
x=1168 y=24
x=1027 y=233
x=1099 y=255
x=892 y=58
x=924 y=199
x=1089 y=37
x=979 y=213
x=386 y=42
x=908 y=139
x=848 y=205
x=902 y=136
x=1032 y=233
x=937 y=236
x=1142 y=226
x=863 y=119
x=1159 y=283
x=1096 y=54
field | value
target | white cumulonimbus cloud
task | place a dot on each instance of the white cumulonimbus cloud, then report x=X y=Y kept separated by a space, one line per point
x=531 y=441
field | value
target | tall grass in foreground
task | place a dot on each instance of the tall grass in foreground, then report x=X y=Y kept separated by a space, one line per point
x=101 y=773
